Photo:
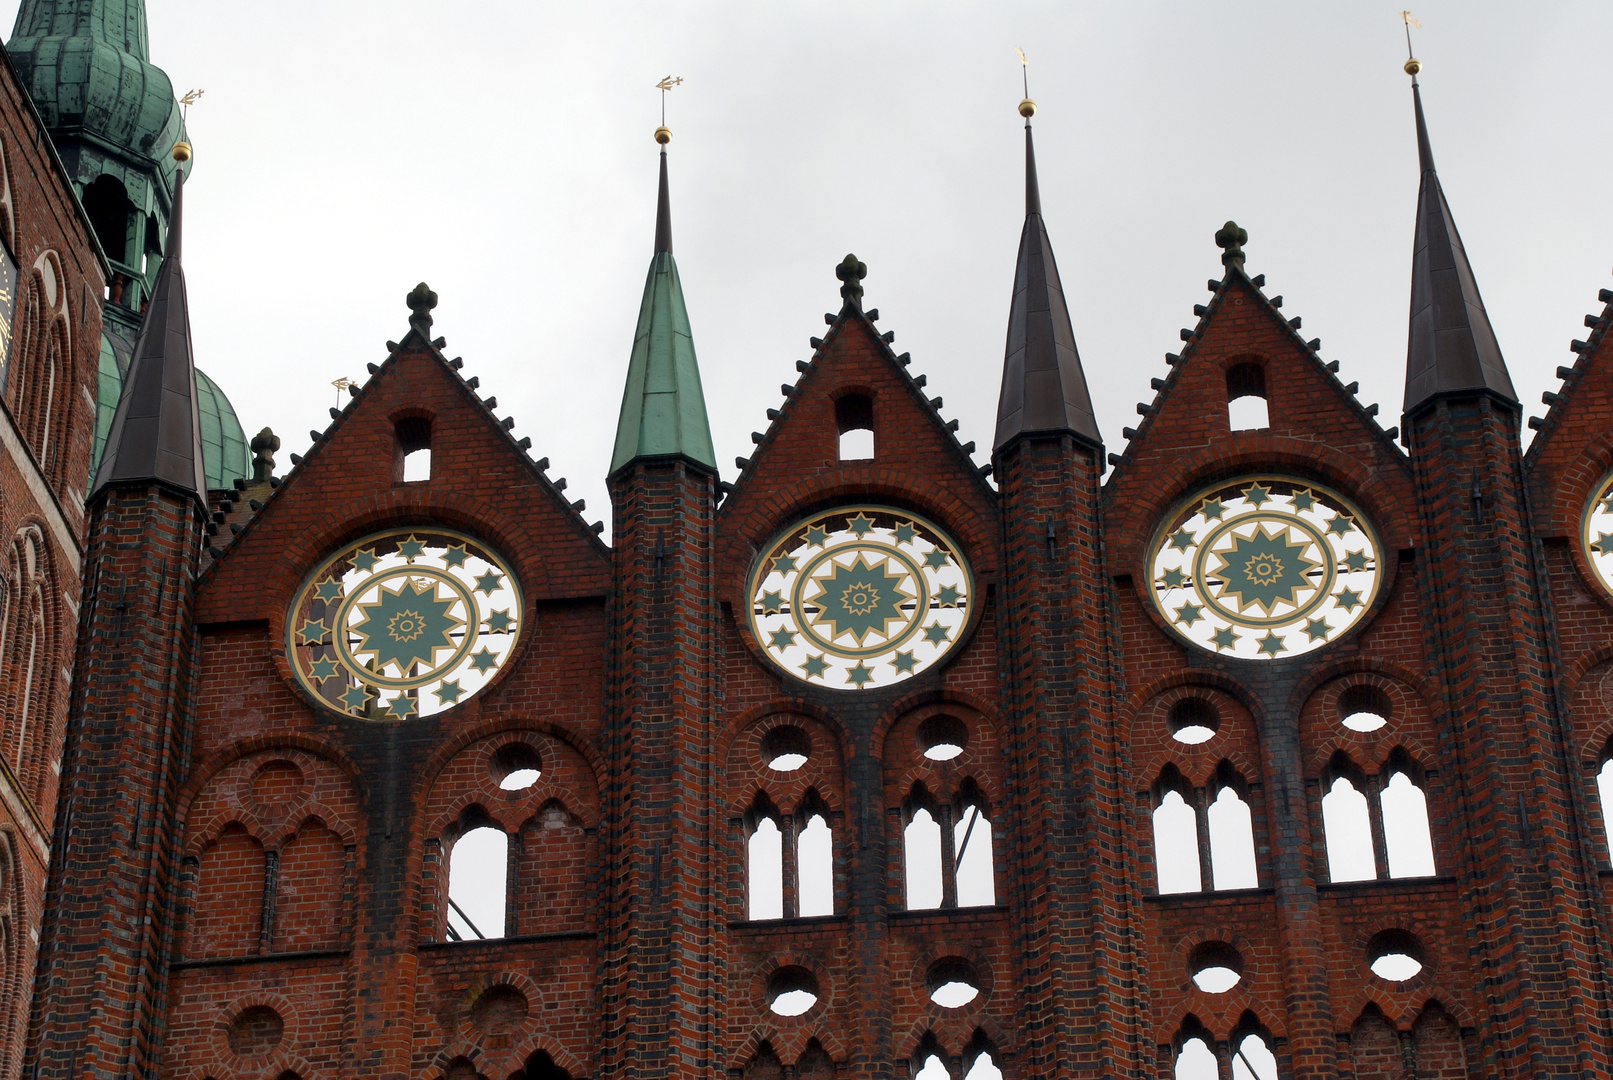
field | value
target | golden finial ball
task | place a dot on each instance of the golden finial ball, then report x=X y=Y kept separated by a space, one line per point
x=181 y=151
x=1413 y=66
x=1027 y=108
x=663 y=135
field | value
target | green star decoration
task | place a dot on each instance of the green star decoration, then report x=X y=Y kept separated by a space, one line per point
x=861 y=675
x=1355 y=561
x=1189 y=613
x=312 y=633
x=782 y=638
x=1317 y=629
x=488 y=583
x=784 y=563
x=407 y=625
x=947 y=596
x=1255 y=495
x=772 y=603
x=1604 y=544
x=484 y=661
x=904 y=662
x=936 y=634
x=328 y=590
x=355 y=697
x=814 y=667
x=1341 y=524
x=860 y=526
x=1212 y=510
x=817 y=535
x=860 y=599
x=1271 y=644
x=1181 y=539
x=401 y=706
x=905 y=532
x=323 y=669
x=1265 y=569
x=499 y=622
x=449 y=692
x=411 y=548
x=1607 y=501
x=1348 y=599
x=1175 y=579
x=455 y=555
x=1303 y=499
x=936 y=559
x=1224 y=638
x=364 y=561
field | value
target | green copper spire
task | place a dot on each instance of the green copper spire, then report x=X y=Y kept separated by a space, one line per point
x=663 y=408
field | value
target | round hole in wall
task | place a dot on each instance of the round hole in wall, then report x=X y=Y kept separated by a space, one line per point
x=1215 y=966
x=1363 y=708
x=786 y=748
x=953 y=982
x=792 y=991
x=1395 y=955
x=255 y=1031
x=1193 y=720
x=943 y=738
x=515 y=766
x=499 y=1010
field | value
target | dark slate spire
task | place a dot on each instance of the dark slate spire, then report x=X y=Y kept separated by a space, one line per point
x=156 y=432
x=1451 y=348
x=663 y=214
x=1044 y=388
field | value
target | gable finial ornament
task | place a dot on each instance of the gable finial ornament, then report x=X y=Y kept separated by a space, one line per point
x=264 y=444
x=1230 y=238
x=421 y=300
x=851 y=272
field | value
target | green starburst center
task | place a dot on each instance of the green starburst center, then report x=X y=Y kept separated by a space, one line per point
x=1265 y=568
x=407 y=625
x=860 y=599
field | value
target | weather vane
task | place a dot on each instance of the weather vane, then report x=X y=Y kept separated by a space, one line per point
x=341 y=384
x=1027 y=107
x=188 y=100
x=1413 y=65
x=663 y=134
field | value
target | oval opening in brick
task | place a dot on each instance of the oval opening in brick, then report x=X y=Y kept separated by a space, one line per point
x=953 y=982
x=1395 y=955
x=1363 y=708
x=276 y=782
x=515 y=766
x=943 y=738
x=1193 y=720
x=499 y=1010
x=1214 y=966
x=255 y=1031
x=786 y=749
x=792 y=991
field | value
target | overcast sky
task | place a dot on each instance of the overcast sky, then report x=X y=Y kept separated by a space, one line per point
x=502 y=152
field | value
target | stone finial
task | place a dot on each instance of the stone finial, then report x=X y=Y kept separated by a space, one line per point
x=264 y=444
x=851 y=273
x=421 y=300
x=1230 y=239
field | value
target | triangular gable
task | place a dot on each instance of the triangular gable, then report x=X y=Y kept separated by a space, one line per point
x=1573 y=445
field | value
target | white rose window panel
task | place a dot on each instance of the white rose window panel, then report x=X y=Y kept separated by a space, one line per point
x=859 y=597
x=403 y=623
x=1263 y=567
x=1596 y=532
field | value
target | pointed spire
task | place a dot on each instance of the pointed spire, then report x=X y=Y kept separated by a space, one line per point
x=1450 y=347
x=663 y=407
x=156 y=432
x=1044 y=388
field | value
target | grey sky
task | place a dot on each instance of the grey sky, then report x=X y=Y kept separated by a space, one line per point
x=502 y=153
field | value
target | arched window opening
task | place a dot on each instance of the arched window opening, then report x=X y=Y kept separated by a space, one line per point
x=1252 y=1058
x=1246 y=397
x=1347 y=824
x=1176 y=836
x=921 y=847
x=412 y=457
x=764 y=1064
x=932 y=1068
x=24 y=708
x=814 y=1063
x=1364 y=708
x=540 y=1066
x=477 y=873
x=764 y=856
x=980 y=1060
x=1232 y=837
x=814 y=863
x=107 y=205
x=972 y=863
x=1604 y=792
x=854 y=420
x=1195 y=1059
x=1407 y=841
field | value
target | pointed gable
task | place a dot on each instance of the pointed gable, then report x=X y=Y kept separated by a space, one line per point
x=1573 y=447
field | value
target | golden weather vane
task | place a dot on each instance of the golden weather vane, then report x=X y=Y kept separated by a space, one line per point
x=1027 y=107
x=1413 y=65
x=190 y=98
x=341 y=384
x=662 y=134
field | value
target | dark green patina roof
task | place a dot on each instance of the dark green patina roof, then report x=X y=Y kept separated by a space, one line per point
x=663 y=407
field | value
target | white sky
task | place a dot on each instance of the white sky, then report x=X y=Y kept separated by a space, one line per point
x=502 y=153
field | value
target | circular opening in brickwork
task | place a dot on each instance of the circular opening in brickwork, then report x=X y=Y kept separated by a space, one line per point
x=786 y=749
x=792 y=991
x=462 y=1068
x=1215 y=966
x=1193 y=720
x=1363 y=708
x=953 y=982
x=256 y=1031
x=499 y=1010
x=276 y=782
x=1395 y=955
x=516 y=766
x=943 y=738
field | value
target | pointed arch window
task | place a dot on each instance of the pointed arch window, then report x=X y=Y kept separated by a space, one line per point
x=478 y=875
x=814 y=859
x=1246 y=397
x=1232 y=834
x=1195 y=1054
x=1407 y=840
x=854 y=423
x=972 y=864
x=764 y=861
x=1176 y=835
x=1347 y=823
x=921 y=850
x=1604 y=793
